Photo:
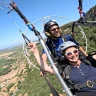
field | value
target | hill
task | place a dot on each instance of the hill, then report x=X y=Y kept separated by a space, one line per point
x=91 y=14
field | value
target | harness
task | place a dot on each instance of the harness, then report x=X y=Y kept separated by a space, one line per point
x=88 y=83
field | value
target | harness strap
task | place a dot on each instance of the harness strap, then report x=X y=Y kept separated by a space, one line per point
x=88 y=83
x=64 y=37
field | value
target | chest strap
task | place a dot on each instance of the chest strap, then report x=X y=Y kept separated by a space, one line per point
x=88 y=83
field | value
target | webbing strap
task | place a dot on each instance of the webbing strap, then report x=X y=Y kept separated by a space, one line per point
x=64 y=37
x=88 y=83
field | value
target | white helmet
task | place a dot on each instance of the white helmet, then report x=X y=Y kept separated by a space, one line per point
x=66 y=45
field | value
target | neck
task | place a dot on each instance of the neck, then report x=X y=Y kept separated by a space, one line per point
x=76 y=64
x=55 y=38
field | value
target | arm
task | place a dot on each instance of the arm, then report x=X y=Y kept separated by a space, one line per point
x=39 y=59
x=44 y=57
x=81 y=49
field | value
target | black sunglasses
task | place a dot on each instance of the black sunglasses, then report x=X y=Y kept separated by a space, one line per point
x=54 y=29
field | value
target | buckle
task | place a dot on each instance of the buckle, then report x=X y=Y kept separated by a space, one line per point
x=89 y=84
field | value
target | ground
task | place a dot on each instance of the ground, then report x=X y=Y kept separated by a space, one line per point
x=11 y=77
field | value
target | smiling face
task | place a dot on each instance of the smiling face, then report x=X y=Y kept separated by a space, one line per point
x=72 y=54
x=55 y=31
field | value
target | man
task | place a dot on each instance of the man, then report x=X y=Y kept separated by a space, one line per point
x=55 y=39
x=81 y=74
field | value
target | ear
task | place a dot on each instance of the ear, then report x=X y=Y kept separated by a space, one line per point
x=47 y=34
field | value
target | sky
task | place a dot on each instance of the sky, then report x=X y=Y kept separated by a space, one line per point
x=34 y=10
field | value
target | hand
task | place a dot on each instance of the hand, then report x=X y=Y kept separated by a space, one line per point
x=32 y=46
x=42 y=73
x=94 y=56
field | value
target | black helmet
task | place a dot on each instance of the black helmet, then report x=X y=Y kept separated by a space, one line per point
x=48 y=25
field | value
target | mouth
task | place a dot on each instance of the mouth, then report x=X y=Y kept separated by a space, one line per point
x=74 y=58
x=56 y=34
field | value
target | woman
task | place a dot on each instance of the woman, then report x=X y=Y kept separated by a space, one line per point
x=80 y=73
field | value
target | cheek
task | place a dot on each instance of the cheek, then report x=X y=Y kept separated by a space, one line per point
x=67 y=57
x=77 y=54
x=52 y=33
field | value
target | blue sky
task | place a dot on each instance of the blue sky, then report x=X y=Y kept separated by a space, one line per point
x=33 y=10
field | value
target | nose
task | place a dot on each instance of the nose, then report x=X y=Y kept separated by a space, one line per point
x=73 y=54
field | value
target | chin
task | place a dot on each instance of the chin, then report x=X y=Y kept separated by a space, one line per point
x=74 y=60
x=57 y=35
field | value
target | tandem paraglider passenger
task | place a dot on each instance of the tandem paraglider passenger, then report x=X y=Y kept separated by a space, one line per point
x=82 y=73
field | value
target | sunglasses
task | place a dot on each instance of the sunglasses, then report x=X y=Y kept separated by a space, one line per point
x=54 y=29
x=70 y=53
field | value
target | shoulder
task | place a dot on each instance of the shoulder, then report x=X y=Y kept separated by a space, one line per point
x=47 y=41
x=65 y=35
x=68 y=37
